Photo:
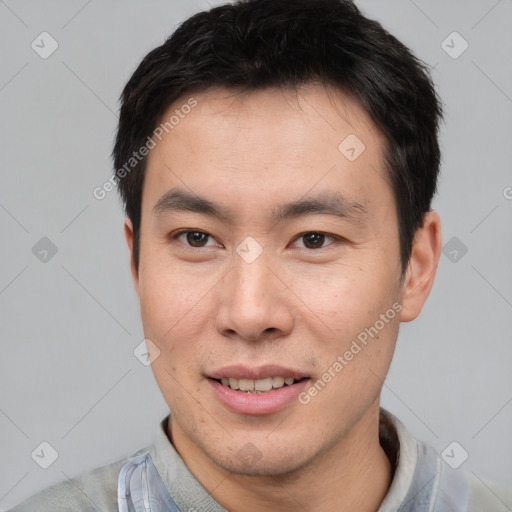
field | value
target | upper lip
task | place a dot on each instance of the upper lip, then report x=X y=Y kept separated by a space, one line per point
x=241 y=371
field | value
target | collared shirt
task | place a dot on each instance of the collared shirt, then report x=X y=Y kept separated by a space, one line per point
x=155 y=479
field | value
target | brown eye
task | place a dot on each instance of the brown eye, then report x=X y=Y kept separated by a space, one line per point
x=194 y=238
x=313 y=240
x=197 y=238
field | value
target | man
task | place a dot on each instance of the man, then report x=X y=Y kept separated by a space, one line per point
x=277 y=160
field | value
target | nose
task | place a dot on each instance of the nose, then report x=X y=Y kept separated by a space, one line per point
x=254 y=303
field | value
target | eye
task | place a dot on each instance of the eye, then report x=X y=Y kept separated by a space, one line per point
x=194 y=238
x=315 y=239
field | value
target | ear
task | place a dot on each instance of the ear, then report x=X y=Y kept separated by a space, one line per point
x=421 y=270
x=128 y=234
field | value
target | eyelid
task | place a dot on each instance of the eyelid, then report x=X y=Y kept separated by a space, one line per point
x=176 y=234
x=335 y=238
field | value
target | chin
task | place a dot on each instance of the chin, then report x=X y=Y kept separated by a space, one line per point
x=270 y=461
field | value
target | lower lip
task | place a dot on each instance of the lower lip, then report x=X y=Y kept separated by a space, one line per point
x=257 y=403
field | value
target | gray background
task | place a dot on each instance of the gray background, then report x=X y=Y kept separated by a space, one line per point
x=69 y=325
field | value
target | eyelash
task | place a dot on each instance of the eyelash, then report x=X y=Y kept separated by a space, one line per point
x=335 y=238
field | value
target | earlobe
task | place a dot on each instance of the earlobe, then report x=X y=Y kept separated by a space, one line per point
x=421 y=270
x=128 y=234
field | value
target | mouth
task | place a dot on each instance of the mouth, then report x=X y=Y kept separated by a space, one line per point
x=257 y=391
x=258 y=386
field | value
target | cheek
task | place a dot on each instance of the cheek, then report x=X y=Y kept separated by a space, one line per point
x=175 y=312
x=356 y=316
x=169 y=292
x=345 y=298
x=352 y=371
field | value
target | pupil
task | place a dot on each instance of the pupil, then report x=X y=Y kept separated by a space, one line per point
x=196 y=238
x=313 y=240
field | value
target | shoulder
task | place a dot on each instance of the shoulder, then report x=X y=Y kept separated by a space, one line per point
x=89 y=492
x=488 y=495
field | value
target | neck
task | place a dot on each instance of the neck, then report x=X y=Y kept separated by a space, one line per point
x=354 y=474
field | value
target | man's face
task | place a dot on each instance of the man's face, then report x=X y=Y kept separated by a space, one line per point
x=269 y=289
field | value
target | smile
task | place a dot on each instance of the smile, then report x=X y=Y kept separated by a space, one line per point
x=258 y=386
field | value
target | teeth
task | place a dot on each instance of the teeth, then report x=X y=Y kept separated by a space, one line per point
x=263 y=384
x=259 y=385
x=246 y=384
x=277 y=382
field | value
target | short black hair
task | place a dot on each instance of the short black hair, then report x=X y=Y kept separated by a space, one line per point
x=256 y=44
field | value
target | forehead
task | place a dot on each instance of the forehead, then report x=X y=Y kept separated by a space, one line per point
x=266 y=144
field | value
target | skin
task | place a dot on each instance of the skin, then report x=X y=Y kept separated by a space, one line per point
x=296 y=306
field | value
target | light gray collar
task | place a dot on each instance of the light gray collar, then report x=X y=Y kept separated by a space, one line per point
x=422 y=482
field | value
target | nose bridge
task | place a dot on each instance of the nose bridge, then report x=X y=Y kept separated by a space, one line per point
x=251 y=286
x=251 y=302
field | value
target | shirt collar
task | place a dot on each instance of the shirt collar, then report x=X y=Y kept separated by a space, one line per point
x=402 y=450
x=419 y=480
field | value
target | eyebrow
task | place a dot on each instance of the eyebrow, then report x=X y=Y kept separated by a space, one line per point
x=327 y=203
